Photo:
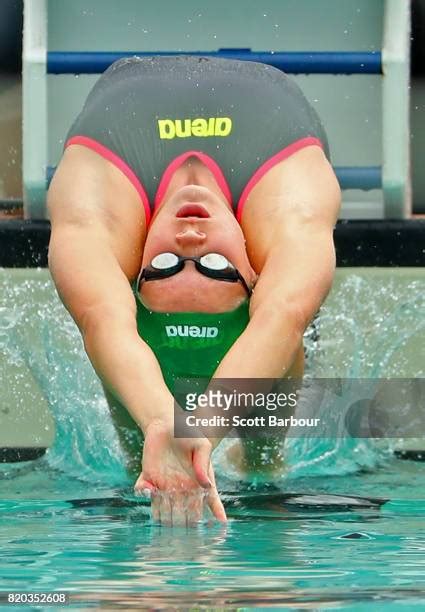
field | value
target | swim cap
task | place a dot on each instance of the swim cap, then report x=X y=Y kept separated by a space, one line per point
x=190 y=344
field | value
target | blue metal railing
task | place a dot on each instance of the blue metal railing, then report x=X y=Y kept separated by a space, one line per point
x=359 y=177
x=315 y=62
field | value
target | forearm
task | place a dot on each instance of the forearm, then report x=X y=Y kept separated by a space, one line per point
x=128 y=368
x=98 y=295
x=266 y=350
x=280 y=312
x=268 y=346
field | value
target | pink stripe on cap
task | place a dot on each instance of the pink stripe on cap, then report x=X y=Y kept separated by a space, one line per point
x=264 y=168
x=118 y=163
x=178 y=161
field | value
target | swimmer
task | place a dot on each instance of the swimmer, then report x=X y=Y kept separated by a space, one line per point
x=192 y=216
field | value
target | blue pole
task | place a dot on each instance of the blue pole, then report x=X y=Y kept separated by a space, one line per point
x=365 y=178
x=332 y=62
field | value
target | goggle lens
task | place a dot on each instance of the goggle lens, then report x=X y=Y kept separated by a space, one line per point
x=164 y=261
x=215 y=261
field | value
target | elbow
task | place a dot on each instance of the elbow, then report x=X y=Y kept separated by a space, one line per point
x=103 y=330
x=297 y=314
x=294 y=308
x=103 y=316
x=282 y=314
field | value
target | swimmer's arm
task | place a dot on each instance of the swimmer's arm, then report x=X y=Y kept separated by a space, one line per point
x=293 y=284
x=93 y=253
x=296 y=272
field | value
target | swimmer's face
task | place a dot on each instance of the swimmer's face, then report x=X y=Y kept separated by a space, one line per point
x=192 y=222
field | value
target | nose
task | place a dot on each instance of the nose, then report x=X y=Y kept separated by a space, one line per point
x=190 y=237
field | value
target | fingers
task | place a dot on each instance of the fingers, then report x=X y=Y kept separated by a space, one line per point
x=160 y=513
x=182 y=508
x=177 y=509
x=201 y=458
x=214 y=502
x=156 y=509
x=162 y=509
x=194 y=507
x=144 y=487
x=216 y=506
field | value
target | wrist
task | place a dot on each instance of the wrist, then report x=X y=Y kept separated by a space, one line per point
x=159 y=423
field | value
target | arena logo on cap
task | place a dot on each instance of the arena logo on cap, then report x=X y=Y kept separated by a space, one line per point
x=184 y=128
x=192 y=331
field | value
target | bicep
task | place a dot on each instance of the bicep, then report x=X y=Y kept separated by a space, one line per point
x=87 y=192
x=297 y=274
x=293 y=241
x=97 y=235
x=300 y=192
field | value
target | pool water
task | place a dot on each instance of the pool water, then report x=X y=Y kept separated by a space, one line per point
x=70 y=521
x=98 y=544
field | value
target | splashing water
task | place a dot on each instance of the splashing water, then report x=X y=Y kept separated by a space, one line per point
x=377 y=323
x=36 y=332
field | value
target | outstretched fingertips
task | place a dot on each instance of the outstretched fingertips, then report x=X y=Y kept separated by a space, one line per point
x=144 y=488
x=200 y=461
x=216 y=506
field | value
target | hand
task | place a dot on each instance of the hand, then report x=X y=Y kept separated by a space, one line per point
x=178 y=475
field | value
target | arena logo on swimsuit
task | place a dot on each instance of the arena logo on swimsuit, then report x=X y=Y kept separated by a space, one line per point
x=194 y=331
x=184 y=128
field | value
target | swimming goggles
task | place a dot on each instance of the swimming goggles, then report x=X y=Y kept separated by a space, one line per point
x=212 y=265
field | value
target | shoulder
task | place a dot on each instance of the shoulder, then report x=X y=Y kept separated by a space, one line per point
x=90 y=194
x=301 y=189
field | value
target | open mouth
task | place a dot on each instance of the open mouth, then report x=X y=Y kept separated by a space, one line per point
x=192 y=210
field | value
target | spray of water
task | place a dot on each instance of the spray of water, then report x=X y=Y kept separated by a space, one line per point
x=366 y=328
x=37 y=332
